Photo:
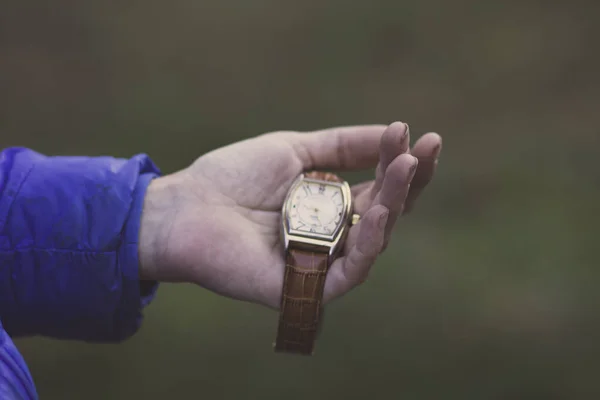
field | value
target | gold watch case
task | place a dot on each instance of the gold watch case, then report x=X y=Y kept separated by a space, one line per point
x=313 y=241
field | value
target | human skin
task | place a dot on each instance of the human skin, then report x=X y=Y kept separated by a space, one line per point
x=217 y=222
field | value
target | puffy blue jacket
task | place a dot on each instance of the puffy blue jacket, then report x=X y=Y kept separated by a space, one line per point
x=68 y=253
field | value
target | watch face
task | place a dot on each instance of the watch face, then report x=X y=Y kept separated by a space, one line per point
x=316 y=208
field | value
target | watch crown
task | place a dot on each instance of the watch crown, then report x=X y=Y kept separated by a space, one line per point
x=355 y=219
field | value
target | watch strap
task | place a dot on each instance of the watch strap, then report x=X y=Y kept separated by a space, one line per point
x=323 y=176
x=301 y=303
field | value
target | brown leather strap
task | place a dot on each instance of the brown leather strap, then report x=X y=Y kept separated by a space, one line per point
x=301 y=311
x=324 y=176
x=301 y=305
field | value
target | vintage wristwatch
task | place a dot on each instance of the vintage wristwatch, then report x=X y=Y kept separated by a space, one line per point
x=316 y=216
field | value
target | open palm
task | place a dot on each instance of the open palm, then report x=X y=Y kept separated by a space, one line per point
x=225 y=232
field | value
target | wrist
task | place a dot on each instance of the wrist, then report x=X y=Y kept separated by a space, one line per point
x=158 y=213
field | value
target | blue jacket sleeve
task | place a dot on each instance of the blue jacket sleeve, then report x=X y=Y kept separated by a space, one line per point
x=68 y=245
x=16 y=381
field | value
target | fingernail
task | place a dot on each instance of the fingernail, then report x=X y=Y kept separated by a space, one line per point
x=436 y=150
x=383 y=219
x=406 y=131
x=413 y=167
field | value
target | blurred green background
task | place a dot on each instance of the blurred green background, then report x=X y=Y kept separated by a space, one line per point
x=490 y=289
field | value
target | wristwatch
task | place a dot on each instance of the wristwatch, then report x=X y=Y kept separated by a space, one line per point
x=316 y=217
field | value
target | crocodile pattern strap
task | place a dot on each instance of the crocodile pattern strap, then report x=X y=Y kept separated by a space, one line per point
x=301 y=310
x=301 y=307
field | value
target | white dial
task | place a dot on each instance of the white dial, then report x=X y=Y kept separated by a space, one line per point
x=316 y=208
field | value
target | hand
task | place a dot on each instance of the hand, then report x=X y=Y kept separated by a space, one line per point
x=217 y=222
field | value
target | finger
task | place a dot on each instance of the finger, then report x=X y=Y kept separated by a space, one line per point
x=351 y=270
x=427 y=150
x=394 y=141
x=358 y=189
x=361 y=196
x=350 y=147
x=395 y=187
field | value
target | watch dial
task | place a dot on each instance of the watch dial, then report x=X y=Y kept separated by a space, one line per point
x=316 y=208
